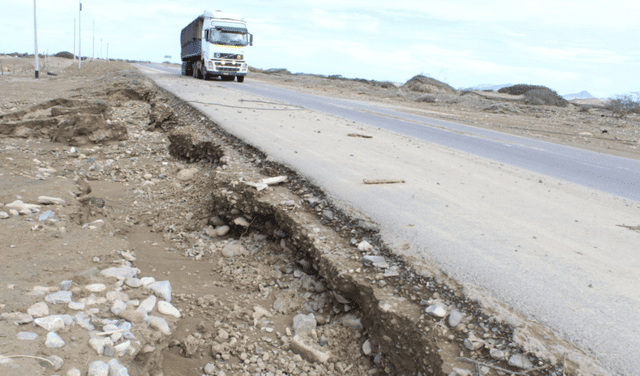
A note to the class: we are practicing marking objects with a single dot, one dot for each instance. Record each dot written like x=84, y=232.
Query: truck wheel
x=240, y=78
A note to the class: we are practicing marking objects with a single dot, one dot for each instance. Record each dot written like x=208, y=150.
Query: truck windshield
x=228, y=37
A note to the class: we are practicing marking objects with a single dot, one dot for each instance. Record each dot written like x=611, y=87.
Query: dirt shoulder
x=140, y=238
x=585, y=126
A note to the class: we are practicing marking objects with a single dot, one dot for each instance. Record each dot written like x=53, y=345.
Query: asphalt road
x=534, y=225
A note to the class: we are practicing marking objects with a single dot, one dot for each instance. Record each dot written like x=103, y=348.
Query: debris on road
x=383, y=181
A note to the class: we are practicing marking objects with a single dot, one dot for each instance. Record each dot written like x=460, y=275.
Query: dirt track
x=237, y=312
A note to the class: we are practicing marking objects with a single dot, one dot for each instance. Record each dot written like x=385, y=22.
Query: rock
x=133, y=282
x=259, y=312
x=17, y=317
x=233, y=249
x=210, y=232
x=364, y=246
x=122, y=348
x=473, y=343
x=520, y=361
x=46, y=200
x=76, y=306
x=112, y=296
x=455, y=317
x=162, y=289
x=98, y=344
x=98, y=368
x=210, y=368
x=497, y=354
x=74, y=372
x=146, y=281
x=160, y=324
x=241, y=221
x=377, y=261
x=65, y=285
x=50, y=323
x=222, y=230
x=96, y=287
x=308, y=351
x=350, y=320
x=133, y=315
x=54, y=341
x=127, y=255
x=117, y=369
x=366, y=348
x=46, y=215
x=60, y=297
x=39, y=309
x=57, y=361
x=437, y=310
x=148, y=304
x=304, y=323
x=187, y=174
x=460, y=372
x=118, y=306
x=121, y=272
x=4, y=215
x=168, y=309
x=27, y=336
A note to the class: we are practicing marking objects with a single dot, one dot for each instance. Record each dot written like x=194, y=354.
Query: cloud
x=344, y=21
x=574, y=54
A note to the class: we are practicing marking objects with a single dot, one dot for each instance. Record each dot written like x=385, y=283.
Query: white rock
x=366, y=348
x=187, y=174
x=112, y=296
x=304, y=323
x=308, y=351
x=133, y=282
x=118, y=306
x=57, y=362
x=76, y=306
x=46, y=200
x=167, y=308
x=233, y=249
x=74, y=372
x=98, y=368
x=121, y=272
x=162, y=289
x=122, y=348
x=210, y=368
x=146, y=281
x=27, y=336
x=241, y=221
x=160, y=324
x=117, y=369
x=96, y=287
x=222, y=230
x=455, y=317
x=39, y=309
x=98, y=344
x=60, y=297
x=4, y=215
x=53, y=341
x=148, y=304
x=364, y=246
x=520, y=361
x=437, y=310
x=50, y=323
x=14, y=212
x=17, y=317
x=128, y=256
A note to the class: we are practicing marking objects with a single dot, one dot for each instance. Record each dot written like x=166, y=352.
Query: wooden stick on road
x=383, y=181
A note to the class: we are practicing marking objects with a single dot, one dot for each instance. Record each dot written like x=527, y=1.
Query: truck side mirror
x=250, y=39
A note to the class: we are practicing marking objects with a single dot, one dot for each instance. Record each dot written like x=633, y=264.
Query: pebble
x=241, y=221
x=121, y=272
x=222, y=230
x=233, y=249
x=54, y=341
x=187, y=174
x=309, y=352
x=74, y=372
x=57, y=361
x=65, y=285
x=96, y=287
x=123, y=347
x=98, y=344
x=117, y=369
x=455, y=317
x=210, y=368
x=520, y=361
x=118, y=306
x=46, y=200
x=4, y=215
x=146, y=281
x=377, y=261
x=98, y=368
x=162, y=289
x=148, y=304
x=304, y=323
x=133, y=282
x=50, y=323
x=39, y=309
x=60, y=297
x=160, y=324
x=350, y=320
x=112, y=296
x=437, y=310
x=366, y=348
x=77, y=306
x=17, y=317
x=364, y=246
x=27, y=336
x=167, y=308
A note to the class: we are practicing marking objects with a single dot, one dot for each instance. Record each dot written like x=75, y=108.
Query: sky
x=568, y=46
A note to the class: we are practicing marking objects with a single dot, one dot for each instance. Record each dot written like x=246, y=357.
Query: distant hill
x=581, y=95
x=485, y=87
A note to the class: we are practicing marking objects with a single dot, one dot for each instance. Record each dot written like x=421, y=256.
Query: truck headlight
x=217, y=55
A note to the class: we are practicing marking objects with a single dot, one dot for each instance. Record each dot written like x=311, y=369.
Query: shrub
x=64, y=54
x=519, y=89
x=544, y=96
x=624, y=104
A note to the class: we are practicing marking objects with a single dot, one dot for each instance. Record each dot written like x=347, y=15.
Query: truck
x=213, y=45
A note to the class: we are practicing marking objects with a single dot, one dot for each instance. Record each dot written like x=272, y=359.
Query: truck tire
x=240, y=78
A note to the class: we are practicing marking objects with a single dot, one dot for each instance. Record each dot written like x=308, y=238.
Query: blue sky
x=568, y=46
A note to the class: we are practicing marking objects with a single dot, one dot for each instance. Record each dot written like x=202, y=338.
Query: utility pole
x=74, y=40
x=107, y=51
x=93, y=45
x=100, y=48
x=35, y=34
x=79, y=37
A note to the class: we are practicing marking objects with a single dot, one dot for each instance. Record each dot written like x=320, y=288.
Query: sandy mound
x=428, y=85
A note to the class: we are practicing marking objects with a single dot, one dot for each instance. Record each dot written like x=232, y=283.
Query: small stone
x=54, y=341
x=223, y=334
x=520, y=361
x=148, y=304
x=96, y=287
x=210, y=368
x=112, y=296
x=117, y=369
x=364, y=246
x=437, y=310
x=60, y=297
x=308, y=351
x=366, y=348
x=98, y=344
x=222, y=230
x=98, y=368
x=304, y=323
x=122, y=348
x=46, y=200
x=167, y=308
x=74, y=372
x=187, y=174
x=39, y=309
x=128, y=256
x=455, y=317
x=351, y=321
x=162, y=289
x=377, y=261
x=233, y=249
x=133, y=315
x=146, y=281
x=108, y=351
x=118, y=306
x=133, y=282
x=17, y=317
x=57, y=361
x=65, y=285
x=120, y=272
x=27, y=336
x=4, y=215
x=50, y=323
x=76, y=306
x=497, y=354
x=473, y=343
x=160, y=324
x=241, y=221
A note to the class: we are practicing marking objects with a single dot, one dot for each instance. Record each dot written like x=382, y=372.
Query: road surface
x=535, y=225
